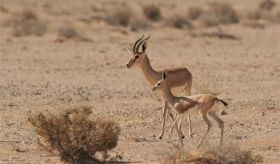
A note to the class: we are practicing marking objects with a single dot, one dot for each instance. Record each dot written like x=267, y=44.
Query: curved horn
x=140, y=43
x=134, y=45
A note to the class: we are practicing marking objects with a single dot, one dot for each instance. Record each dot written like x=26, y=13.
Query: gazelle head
x=138, y=55
x=162, y=82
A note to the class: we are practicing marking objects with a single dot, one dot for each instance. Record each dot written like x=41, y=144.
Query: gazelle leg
x=171, y=128
x=208, y=127
x=180, y=128
x=190, y=127
x=164, y=110
x=175, y=124
x=188, y=88
x=170, y=113
x=221, y=125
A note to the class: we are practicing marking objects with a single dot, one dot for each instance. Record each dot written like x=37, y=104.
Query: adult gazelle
x=178, y=77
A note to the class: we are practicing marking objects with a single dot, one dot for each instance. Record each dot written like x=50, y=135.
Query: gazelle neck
x=171, y=99
x=151, y=75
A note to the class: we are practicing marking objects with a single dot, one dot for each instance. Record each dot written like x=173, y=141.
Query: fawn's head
x=162, y=82
x=138, y=55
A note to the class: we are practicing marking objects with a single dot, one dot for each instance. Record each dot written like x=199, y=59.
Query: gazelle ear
x=164, y=74
x=144, y=46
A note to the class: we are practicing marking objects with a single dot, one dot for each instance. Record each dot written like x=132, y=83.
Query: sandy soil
x=37, y=73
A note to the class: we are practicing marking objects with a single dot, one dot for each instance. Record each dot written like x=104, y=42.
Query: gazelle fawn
x=178, y=77
x=201, y=103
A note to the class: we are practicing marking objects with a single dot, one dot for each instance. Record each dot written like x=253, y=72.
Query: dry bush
x=267, y=4
x=179, y=22
x=194, y=12
x=3, y=9
x=253, y=24
x=152, y=12
x=74, y=135
x=224, y=12
x=258, y=16
x=265, y=13
x=207, y=20
x=69, y=32
x=138, y=23
x=227, y=154
x=119, y=16
x=27, y=23
x=251, y=15
x=214, y=34
x=213, y=14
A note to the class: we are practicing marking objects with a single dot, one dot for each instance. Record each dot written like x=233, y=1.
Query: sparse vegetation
x=69, y=32
x=212, y=15
x=179, y=22
x=259, y=17
x=228, y=154
x=138, y=23
x=253, y=24
x=194, y=12
x=214, y=34
x=3, y=9
x=74, y=135
x=27, y=23
x=207, y=21
x=267, y=4
x=119, y=16
x=152, y=12
x=224, y=12
x=252, y=15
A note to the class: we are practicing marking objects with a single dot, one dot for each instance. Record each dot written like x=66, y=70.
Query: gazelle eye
x=137, y=56
x=158, y=83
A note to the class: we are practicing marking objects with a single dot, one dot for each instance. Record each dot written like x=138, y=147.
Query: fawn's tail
x=222, y=101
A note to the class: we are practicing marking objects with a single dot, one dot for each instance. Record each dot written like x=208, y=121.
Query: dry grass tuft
x=119, y=16
x=194, y=12
x=257, y=18
x=3, y=9
x=179, y=22
x=228, y=154
x=206, y=20
x=252, y=15
x=267, y=4
x=152, y=12
x=139, y=23
x=224, y=12
x=74, y=135
x=214, y=34
x=69, y=32
x=213, y=14
x=27, y=23
x=253, y=24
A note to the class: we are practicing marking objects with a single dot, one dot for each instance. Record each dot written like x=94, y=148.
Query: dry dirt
x=39, y=73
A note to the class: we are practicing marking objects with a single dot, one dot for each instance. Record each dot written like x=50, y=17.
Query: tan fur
x=200, y=103
x=178, y=77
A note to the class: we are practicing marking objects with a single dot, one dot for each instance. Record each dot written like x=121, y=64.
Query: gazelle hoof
x=183, y=137
x=159, y=137
x=224, y=113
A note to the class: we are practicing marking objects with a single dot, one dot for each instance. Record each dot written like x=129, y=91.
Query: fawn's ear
x=164, y=74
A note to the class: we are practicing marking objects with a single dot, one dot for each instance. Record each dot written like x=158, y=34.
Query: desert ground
x=50, y=72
